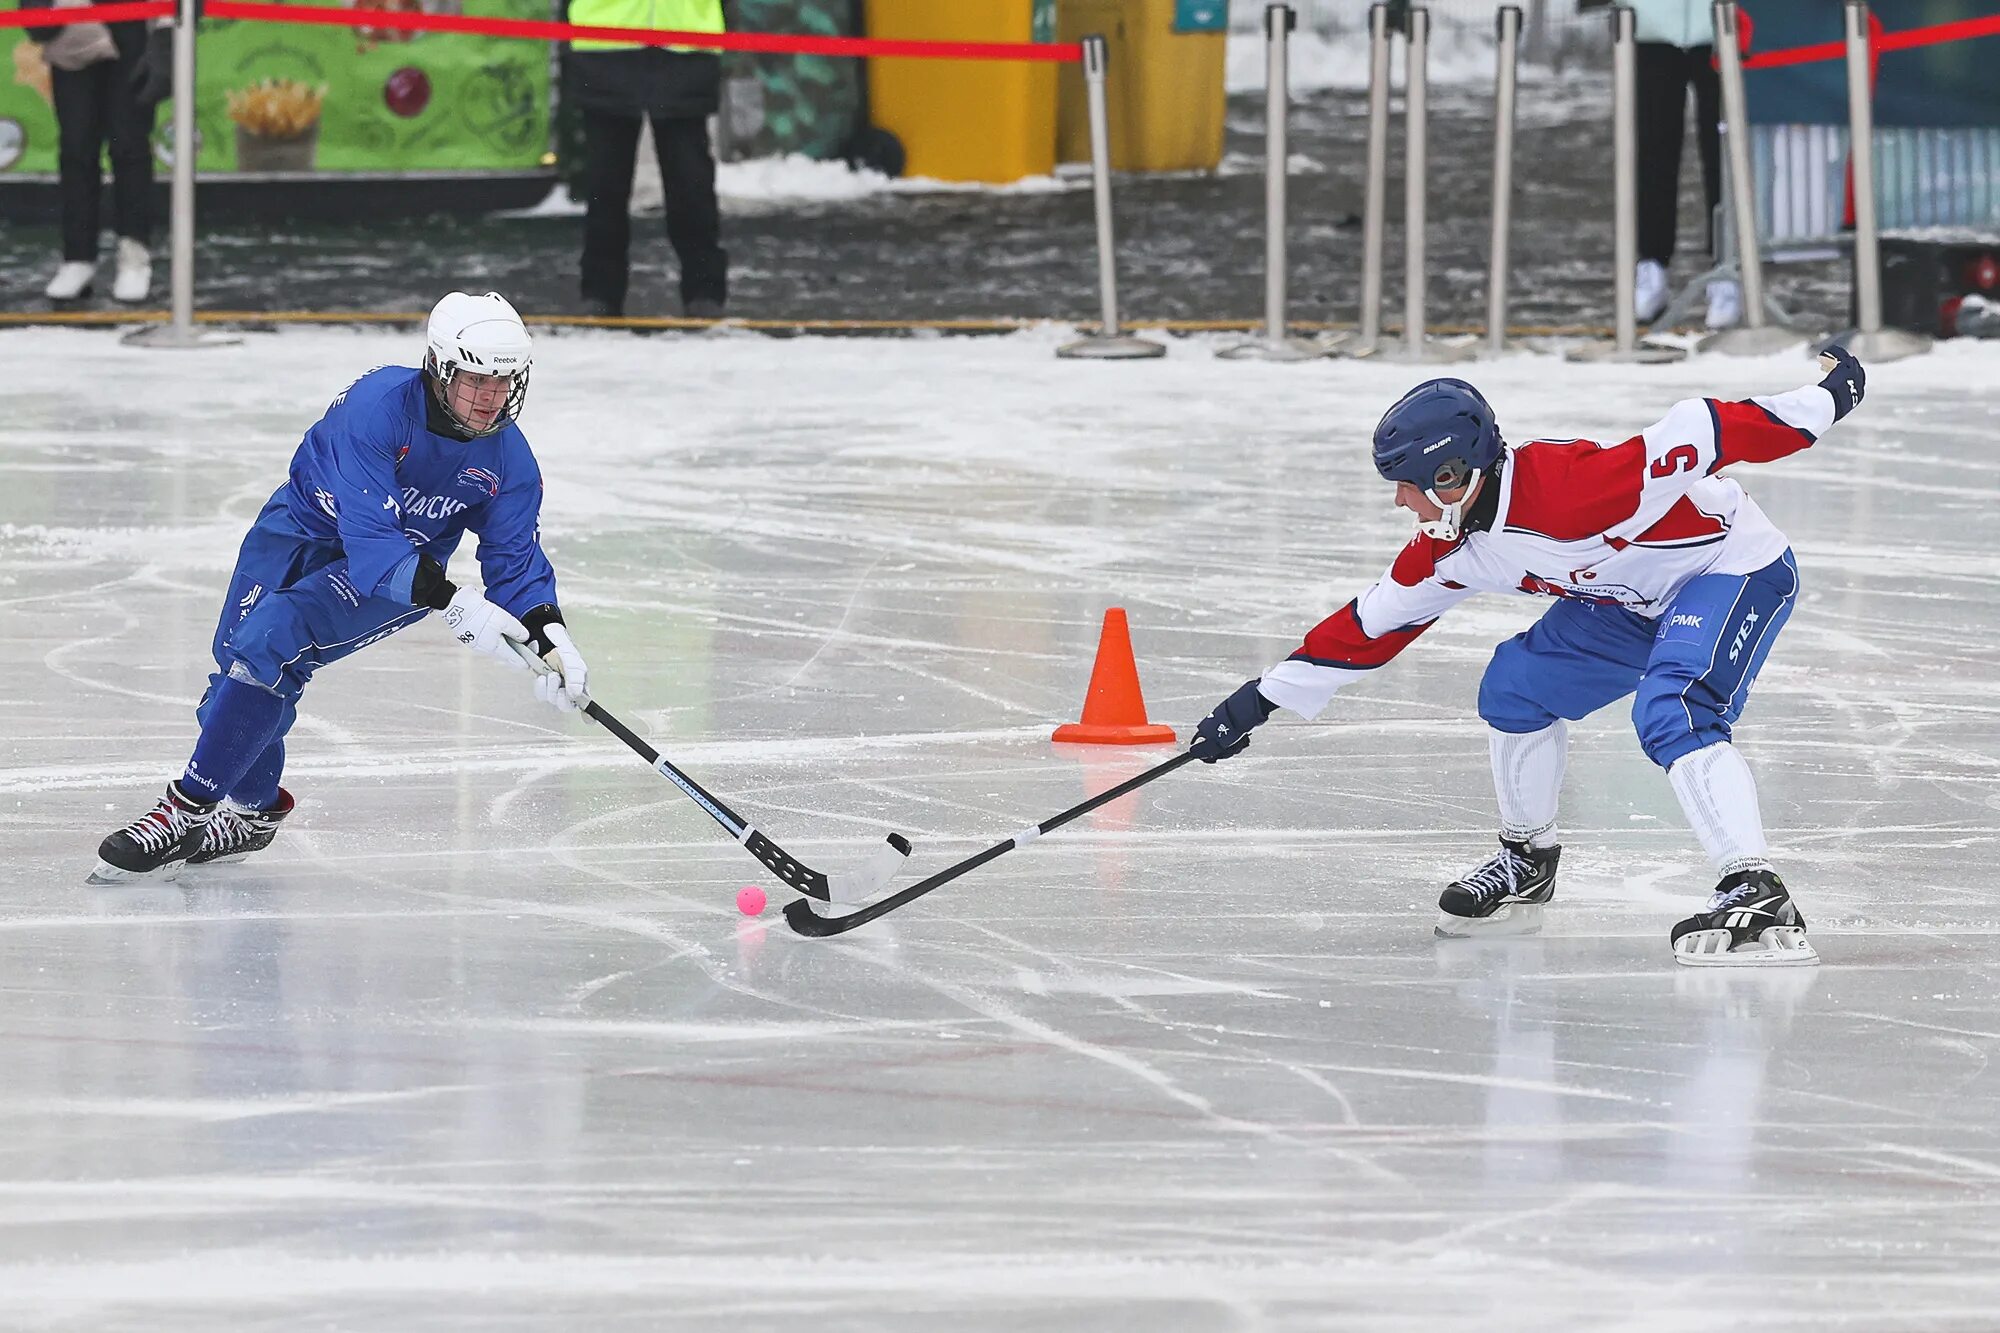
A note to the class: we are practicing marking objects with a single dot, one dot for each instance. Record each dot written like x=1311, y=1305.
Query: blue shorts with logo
x=290, y=611
x=1691, y=669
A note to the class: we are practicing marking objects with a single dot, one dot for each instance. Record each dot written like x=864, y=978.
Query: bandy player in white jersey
x=1669, y=583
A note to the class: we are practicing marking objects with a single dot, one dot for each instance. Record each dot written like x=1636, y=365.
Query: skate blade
x=106, y=873
x=1508, y=919
x=1778, y=946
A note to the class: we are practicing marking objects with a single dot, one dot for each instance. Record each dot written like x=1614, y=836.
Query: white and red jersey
x=1628, y=524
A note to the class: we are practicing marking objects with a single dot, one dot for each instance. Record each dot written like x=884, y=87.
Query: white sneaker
x=71, y=281
x=1725, y=303
x=1650, y=298
x=135, y=271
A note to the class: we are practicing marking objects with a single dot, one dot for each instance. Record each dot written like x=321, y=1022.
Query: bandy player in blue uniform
x=352, y=548
x=1669, y=583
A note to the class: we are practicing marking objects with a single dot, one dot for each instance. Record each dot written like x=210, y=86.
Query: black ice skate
x=1504, y=896
x=235, y=831
x=1750, y=921
x=156, y=844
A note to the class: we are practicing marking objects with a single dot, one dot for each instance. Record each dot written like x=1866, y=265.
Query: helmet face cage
x=444, y=372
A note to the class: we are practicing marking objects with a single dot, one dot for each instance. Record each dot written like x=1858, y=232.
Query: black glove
x=1845, y=380
x=1226, y=730
x=153, y=76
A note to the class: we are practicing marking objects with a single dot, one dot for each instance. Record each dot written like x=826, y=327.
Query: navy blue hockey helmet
x=1437, y=436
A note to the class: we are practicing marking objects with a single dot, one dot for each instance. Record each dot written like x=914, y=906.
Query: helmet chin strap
x=1445, y=527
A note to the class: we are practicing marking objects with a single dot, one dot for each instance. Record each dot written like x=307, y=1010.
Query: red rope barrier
x=1961, y=30
x=542, y=30
x=57, y=18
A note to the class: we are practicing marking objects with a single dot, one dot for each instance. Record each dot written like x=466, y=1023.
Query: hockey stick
x=801, y=917
x=874, y=875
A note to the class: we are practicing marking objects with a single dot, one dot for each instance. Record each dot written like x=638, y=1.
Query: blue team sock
x=258, y=788
x=236, y=728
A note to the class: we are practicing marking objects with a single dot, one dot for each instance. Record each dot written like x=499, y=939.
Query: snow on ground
x=481, y=1042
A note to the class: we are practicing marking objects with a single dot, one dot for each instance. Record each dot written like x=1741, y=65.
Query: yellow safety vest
x=661, y=15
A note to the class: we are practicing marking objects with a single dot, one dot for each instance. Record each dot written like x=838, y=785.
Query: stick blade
x=874, y=874
x=801, y=917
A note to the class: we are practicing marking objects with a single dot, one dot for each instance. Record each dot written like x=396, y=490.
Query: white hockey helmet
x=484, y=335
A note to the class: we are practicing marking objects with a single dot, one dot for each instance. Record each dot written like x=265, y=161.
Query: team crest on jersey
x=1604, y=594
x=480, y=479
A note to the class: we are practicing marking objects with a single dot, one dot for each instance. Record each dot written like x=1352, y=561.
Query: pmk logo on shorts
x=1684, y=619
x=480, y=479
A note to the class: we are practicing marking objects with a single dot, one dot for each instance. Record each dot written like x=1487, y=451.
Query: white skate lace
x=1499, y=875
x=159, y=828
x=1739, y=895
x=226, y=829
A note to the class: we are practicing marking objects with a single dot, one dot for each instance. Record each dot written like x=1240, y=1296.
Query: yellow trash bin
x=966, y=120
x=1163, y=83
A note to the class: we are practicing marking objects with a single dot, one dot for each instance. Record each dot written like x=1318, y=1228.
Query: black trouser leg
x=1662, y=97
x=610, y=149
x=79, y=97
x=694, y=219
x=1708, y=130
x=128, y=124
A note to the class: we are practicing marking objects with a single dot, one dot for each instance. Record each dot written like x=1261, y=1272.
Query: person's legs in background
x=694, y=218
x=611, y=149
x=1725, y=295
x=1661, y=87
x=79, y=97
x=128, y=124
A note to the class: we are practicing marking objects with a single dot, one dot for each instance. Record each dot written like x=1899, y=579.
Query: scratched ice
x=482, y=1043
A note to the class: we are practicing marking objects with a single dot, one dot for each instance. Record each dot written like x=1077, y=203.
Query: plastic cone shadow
x=1114, y=711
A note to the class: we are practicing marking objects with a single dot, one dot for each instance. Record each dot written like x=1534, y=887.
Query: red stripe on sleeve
x=1419, y=560
x=1340, y=641
x=1747, y=433
x=1575, y=491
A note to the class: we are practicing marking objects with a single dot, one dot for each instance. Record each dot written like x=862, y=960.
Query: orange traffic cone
x=1114, y=712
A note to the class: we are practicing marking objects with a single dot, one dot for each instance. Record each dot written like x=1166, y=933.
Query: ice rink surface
x=482, y=1042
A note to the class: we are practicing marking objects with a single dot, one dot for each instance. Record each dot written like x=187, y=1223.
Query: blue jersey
x=373, y=477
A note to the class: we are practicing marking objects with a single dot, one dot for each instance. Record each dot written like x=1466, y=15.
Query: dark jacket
x=644, y=81
x=129, y=38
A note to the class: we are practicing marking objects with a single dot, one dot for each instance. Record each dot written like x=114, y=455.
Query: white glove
x=564, y=684
x=484, y=627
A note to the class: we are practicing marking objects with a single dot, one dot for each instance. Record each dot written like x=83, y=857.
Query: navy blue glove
x=1226, y=730
x=1845, y=380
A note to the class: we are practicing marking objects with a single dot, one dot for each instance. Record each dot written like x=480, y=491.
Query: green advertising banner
x=280, y=97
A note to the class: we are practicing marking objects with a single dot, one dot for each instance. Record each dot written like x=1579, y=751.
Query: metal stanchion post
x=1625, y=345
x=1509, y=47
x=181, y=332
x=1756, y=337
x=1416, y=176
x=1870, y=341
x=1375, y=207
x=1110, y=342
x=1276, y=344
x=1416, y=344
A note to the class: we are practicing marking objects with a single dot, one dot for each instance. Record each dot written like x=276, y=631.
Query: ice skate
x=1503, y=896
x=236, y=831
x=156, y=844
x=1750, y=921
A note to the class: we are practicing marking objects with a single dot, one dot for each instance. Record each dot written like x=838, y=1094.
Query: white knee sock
x=1720, y=799
x=1528, y=778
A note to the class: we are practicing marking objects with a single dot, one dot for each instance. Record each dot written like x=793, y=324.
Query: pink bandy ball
x=750, y=900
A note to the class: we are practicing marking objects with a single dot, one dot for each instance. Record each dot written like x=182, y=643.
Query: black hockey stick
x=871, y=878
x=801, y=917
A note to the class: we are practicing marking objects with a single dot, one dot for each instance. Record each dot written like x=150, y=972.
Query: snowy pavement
x=481, y=1042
